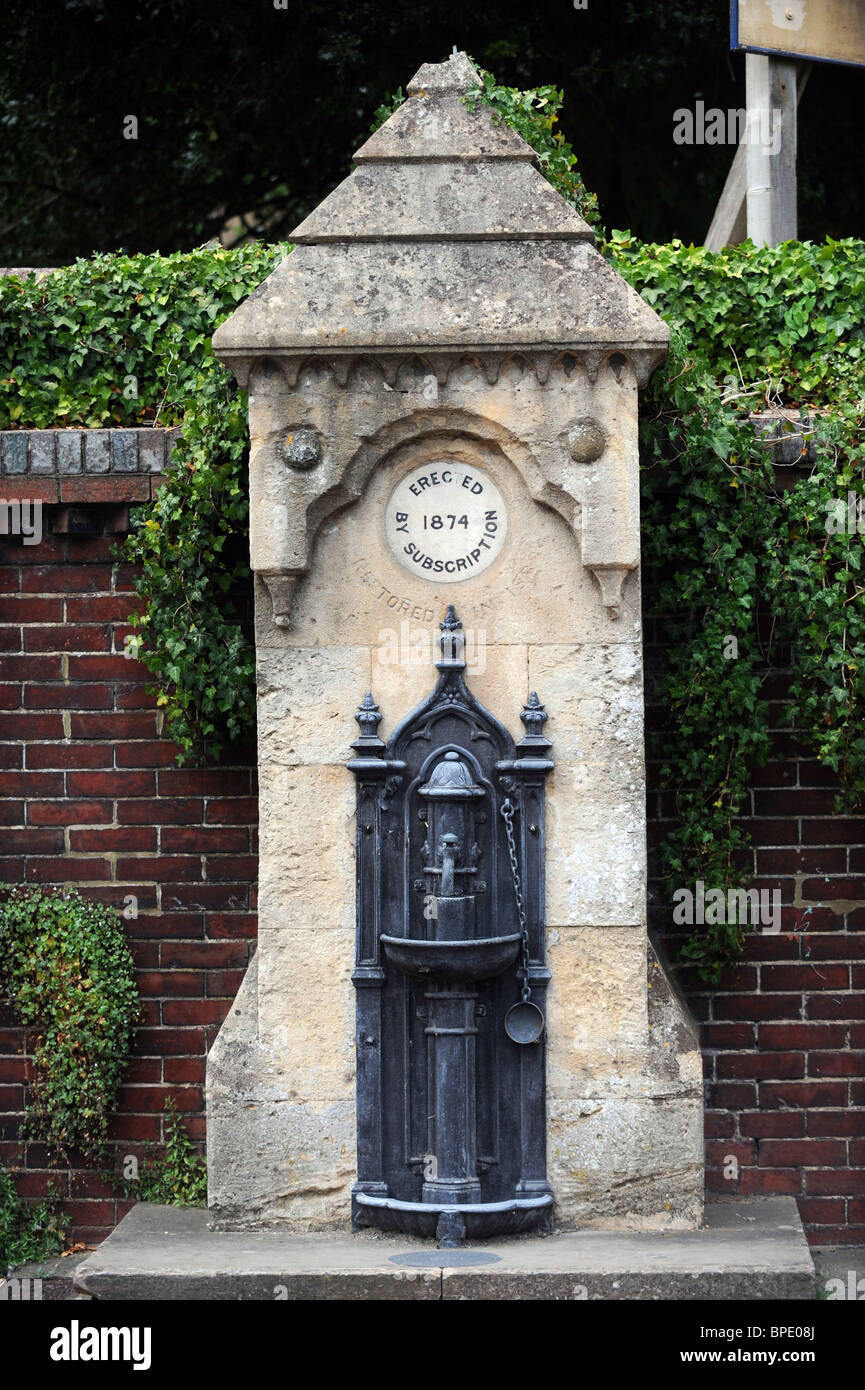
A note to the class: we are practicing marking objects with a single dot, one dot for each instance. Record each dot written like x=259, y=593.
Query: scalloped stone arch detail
x=413, y=372
x=366, y=374
x=467, y=369
x=263, y=373
x=515, y=369
x=314, y=374
x=567, y=368
x=427, y=424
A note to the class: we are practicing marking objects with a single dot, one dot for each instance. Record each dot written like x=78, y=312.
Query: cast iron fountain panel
x=451, y=1110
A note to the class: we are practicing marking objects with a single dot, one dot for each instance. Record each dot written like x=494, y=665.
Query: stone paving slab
x=753, y=1249
x=841, y=1273
x=50, y=1281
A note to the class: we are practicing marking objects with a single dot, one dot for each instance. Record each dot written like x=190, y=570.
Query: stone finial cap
x=458, y=74
x=435, y=123
x=440, y=126
x=445, y=236
x=438, y=171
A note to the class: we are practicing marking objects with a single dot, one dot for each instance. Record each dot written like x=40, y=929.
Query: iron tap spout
x=448, y=849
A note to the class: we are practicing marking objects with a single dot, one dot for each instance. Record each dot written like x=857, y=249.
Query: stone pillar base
x=625, y=1149
x=266, y=1152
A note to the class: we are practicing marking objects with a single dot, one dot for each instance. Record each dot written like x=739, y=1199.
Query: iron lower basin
x=479, y=1220
x=456, y=961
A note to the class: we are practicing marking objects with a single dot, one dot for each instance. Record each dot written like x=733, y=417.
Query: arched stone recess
x=437, y=424
x=314, y=376
x=469, y=368
x=516, y=371
x=415, y=374
x=583, y=497
x=428, y=431
x=565, y=369
x=366, y=374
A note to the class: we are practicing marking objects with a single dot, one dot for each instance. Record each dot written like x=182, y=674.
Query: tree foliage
x=247, y=111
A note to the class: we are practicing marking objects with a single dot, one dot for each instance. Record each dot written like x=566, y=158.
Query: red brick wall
x=91, y=795
x=784, y=1035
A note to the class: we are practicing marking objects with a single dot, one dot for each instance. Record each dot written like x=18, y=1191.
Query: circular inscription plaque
x=446, y=522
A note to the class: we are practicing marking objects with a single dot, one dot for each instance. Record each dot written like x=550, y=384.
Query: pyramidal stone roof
x=445, y=235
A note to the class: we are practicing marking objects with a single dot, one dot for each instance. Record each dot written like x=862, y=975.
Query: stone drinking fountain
x=454, y=1023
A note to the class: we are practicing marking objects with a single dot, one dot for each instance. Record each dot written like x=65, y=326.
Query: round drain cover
x=436, y=1258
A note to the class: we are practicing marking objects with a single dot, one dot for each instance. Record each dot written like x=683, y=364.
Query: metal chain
x=507, y=812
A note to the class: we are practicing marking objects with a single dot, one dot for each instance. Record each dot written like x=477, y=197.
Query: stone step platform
x=748, y=1249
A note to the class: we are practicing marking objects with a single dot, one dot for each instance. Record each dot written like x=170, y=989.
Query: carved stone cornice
x=349, y=369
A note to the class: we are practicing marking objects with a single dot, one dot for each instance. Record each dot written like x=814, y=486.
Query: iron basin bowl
x=452, y=961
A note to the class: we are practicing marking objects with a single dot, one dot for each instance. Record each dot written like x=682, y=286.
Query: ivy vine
x=66, y=967
x=175, y=1175
x=738, y=550
x=28, y=1230
x=117, y=340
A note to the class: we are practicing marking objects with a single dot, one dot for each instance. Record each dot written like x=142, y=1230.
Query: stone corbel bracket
x=280, y=586
x=611, y=579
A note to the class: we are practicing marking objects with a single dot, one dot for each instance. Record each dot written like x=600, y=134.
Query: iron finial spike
x=451, y=621
x=368, y=716
x=451, y=642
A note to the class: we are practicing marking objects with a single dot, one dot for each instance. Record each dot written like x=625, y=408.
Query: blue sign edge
x=737, y=47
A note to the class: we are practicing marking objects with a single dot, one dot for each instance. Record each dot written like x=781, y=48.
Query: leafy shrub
x=738, y=551
x=125, y=340
x=120, y=340
x=28, y=1230
x=68, y=971
x=176, y=1177
x=533, y=113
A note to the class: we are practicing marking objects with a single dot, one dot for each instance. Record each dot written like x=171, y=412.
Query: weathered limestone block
x=270, y=1162
x=625, y=1088
x=306, y=849
x=597, y=995
x=303, y=693
x=625, y=1164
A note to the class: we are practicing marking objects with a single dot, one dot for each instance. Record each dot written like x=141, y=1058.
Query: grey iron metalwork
x=451, y=1058
x=524, y=1022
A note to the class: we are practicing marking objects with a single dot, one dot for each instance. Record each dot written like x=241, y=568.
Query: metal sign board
x=824, y=31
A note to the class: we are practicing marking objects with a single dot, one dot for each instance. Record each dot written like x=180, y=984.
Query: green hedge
x=729, y=542
x=119, y=340
x=125, y=340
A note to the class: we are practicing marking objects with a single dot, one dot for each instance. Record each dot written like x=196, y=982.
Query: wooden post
x=770, y=88
x=766, y=185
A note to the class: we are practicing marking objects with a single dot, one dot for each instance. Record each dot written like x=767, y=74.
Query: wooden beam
x=770, y=155
x=730, y=224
